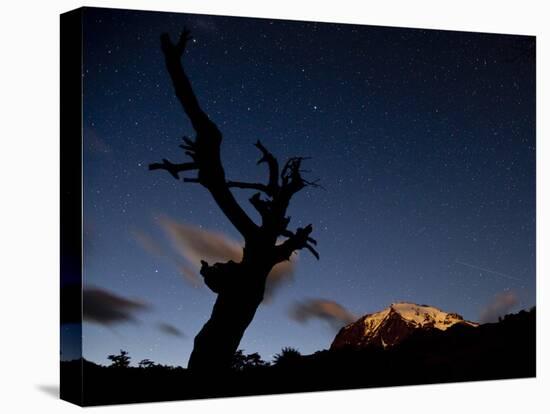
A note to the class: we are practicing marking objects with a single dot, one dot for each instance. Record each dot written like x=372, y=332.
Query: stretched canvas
x=260, y=206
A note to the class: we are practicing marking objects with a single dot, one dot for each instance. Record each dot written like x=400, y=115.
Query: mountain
x=392, y=325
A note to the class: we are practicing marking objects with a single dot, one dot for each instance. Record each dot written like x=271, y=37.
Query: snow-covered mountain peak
x=427, y=316
x=394, y=323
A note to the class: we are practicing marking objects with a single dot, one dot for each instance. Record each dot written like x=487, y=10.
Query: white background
x=29, y=206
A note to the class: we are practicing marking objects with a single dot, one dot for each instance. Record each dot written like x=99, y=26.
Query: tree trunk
x=235, y=307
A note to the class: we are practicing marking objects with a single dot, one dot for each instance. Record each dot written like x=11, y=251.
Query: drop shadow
x=51, y=389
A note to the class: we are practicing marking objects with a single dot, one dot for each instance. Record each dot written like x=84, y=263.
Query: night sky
x=423, y=141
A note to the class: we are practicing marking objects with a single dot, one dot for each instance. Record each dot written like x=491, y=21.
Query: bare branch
x=261, y=205
x=291, y=177
x=173, y=169
x=313, y=251
x=205, y=150
x=234, y=184
x=189, y=145
x=273, y=164
x=296, y=241
x=288, y=233
x=248, y=186
x=185, y=37
x=184, y=91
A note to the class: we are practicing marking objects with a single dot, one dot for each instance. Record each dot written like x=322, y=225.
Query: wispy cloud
x=147, y=243
x=196, y=244
x=327, y=310
x=501, y=304
x=191, y=244
x=169, y=329
x=106, y=308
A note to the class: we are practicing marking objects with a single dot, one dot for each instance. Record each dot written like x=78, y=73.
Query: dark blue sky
x=423, y=140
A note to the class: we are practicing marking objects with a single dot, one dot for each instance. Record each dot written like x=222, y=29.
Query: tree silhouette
x=287, y=356
x=239, y=286
x=121, y=360
x=242, y=361
x=146, y=363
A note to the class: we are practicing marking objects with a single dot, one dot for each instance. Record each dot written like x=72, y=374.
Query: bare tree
x=239, y=286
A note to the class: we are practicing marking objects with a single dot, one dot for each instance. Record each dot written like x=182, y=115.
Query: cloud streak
x=192, y=244
x=502, y=304
x=170, y=330
x=327, y=310
x=147, y=243
x=107, y=308
x=196, y=244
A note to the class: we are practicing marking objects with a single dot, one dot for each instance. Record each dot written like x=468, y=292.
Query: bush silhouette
x=241, y=361
x=121, y=360
x=146, y=363
x=287, y=356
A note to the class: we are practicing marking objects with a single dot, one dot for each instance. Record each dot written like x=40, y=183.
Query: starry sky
x=423, y=141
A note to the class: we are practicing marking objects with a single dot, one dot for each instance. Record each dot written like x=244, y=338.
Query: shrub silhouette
x=146, y=363
x=241, y=361
x=121, y=360
x=287, y=356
